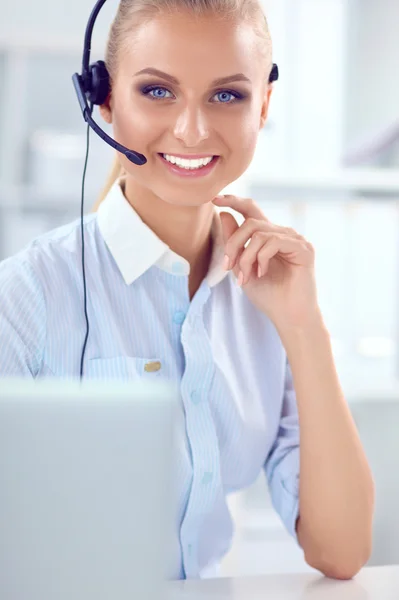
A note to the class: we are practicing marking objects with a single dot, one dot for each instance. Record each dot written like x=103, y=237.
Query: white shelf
x=371, y=181
x=378, y=181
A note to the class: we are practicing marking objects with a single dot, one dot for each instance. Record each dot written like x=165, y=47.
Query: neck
x=185, y=229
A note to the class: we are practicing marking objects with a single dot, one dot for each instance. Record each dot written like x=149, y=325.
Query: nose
x=191, y=127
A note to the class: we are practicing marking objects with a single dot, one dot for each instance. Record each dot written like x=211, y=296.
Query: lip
x=190, y=156
x=190, y=173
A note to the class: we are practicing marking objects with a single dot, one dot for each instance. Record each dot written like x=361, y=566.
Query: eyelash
x=145, y=91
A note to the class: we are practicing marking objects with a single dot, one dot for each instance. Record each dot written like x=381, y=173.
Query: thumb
x=229, y=226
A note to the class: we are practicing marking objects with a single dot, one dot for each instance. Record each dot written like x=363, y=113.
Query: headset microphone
x=135, y=157
x=92, y=87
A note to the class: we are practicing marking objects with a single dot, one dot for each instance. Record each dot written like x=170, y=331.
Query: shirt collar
x=135, y=247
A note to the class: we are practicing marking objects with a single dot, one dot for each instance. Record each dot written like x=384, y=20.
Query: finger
x=263, y=246
x=229, y=227
x=296, y=252
x=236, y=243
x=250, y=208
x=246, y=206
x=249, y=257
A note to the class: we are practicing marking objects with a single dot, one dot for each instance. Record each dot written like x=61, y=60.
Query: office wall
x=372, y=73
x=64, y=18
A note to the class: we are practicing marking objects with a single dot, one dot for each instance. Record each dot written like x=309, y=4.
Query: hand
x=276, y=268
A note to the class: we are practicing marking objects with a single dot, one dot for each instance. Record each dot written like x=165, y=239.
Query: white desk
x=372, y=583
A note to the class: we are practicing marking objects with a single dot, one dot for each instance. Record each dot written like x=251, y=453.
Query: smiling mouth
x=187, y=170
x=187, y=165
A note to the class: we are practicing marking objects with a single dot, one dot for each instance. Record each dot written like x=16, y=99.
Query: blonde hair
x=132, y=14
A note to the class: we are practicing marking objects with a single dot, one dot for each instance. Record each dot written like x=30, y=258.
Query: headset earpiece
x=274, y=74
x=98, y=85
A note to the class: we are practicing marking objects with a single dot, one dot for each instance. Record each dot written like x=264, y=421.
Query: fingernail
x=240, y=279
x=226, y=262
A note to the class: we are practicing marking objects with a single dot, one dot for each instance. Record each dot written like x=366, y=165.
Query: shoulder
x=32, y=281
x=44, y=262
x=49, y=250
x=63, y=240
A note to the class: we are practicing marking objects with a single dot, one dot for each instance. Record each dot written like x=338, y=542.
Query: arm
x=282, y=464
x=336, y=491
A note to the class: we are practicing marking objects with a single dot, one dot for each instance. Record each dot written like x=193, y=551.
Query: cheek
x=243, y=142
x=131, y=123
x=130, y=126
x=251, y=139
x=246, y=129
x=245, y=139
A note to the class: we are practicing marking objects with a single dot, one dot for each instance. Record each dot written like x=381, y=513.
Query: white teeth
x=185, y=163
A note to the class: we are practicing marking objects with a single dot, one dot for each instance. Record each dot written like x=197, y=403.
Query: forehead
x=187, y=47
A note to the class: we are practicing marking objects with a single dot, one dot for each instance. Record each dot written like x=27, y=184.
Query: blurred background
x=327, y=164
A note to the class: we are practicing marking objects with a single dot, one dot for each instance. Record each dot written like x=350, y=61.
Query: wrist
x=312, y=331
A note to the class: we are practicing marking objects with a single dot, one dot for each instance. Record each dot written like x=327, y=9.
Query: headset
x=92, y=87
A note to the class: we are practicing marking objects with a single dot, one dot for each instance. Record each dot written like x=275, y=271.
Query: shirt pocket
x=124, y=368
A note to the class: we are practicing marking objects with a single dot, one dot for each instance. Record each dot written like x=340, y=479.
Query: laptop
x=85, y=489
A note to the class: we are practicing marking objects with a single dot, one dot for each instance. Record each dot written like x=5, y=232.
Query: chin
x=185, y=199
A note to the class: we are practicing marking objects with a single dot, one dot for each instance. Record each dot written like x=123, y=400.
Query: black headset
x=92, y=87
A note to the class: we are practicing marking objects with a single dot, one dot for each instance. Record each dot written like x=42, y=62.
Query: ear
x=106, y=109
x=265, y=106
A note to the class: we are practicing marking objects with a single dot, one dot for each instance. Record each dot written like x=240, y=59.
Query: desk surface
x=371, y=583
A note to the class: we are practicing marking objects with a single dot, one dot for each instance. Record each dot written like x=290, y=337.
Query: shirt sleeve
x=22, y=319
x=282, y=464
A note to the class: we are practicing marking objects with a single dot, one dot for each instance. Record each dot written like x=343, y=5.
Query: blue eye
x=155, y=88
x=225, y=92
x=147, y=91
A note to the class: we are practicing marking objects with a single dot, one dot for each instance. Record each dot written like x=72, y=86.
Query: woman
x=175, y=291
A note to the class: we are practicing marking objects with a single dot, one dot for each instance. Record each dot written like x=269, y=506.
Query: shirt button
x=179, y=317
x=190, y=549
x=151, y=367
x=195, y=397
x=207, y=478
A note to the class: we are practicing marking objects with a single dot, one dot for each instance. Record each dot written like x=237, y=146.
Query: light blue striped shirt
x=238, y=406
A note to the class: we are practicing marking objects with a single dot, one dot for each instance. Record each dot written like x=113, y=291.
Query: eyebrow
x=220, y=81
